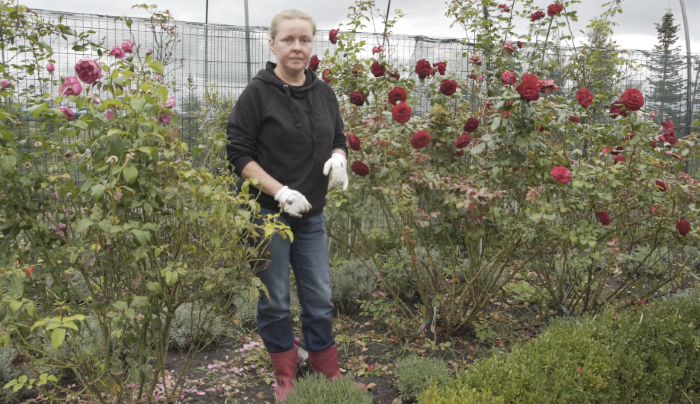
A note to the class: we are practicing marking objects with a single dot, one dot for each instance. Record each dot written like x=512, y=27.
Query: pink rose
x=476, y=59
x=170, y=104
x=67, y=112
x=5, y=83
x=509, y=78
x=164, y=117
x=95, y=99
x=128, y=46
x=508, y=46
x=71, y=86
x=88, y=70
x=377, y=49
x=109, y=114
x=548, y=85
x=561, y=174
x=149, y=51
x=50, y=67
x=117, y=52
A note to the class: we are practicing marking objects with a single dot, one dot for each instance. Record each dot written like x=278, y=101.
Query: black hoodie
x=289, y=131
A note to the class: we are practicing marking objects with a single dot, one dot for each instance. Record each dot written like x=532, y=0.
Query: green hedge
x=648, y=355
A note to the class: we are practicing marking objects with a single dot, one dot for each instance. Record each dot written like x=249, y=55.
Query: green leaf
x=83, y=225
x=163, y=93
x=478, y=149
x=57, y=337
x=137, y=104
x=130, y=173
x=80, y=124
x=116, y=146
x=97, y=191
x=8, y=162
x=157, y=66
x=143, y=237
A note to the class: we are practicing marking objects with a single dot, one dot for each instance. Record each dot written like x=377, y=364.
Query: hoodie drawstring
x=298, y=123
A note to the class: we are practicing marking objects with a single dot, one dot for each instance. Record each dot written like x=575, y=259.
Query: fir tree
x=665, y=67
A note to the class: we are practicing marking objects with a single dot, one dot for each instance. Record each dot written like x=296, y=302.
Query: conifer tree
x=665, y=66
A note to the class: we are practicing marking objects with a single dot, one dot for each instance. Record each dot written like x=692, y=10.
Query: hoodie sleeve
x=339, y=140
x=244, y=122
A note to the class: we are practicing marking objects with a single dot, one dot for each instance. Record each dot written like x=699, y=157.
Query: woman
x=286, y=131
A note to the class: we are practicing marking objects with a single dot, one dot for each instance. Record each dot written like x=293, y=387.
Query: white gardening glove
x=336, y=166
x=292, y=201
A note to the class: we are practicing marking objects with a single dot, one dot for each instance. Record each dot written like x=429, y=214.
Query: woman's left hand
x=336, y=166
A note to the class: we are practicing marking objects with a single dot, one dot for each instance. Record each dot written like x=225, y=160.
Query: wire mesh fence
x=206, y=55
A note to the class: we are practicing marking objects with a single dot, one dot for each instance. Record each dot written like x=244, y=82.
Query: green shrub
x=647, y=355
x=414, y=375
x=315, y=389
x=351, y=281
x=458, y=393
x=194, y=324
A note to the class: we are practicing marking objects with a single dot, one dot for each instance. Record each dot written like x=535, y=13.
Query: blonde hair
x=290, y=14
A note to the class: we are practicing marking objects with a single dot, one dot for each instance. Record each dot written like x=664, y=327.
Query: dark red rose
x=584, y=97
x=662, y=186
x=471, y=125
x=683, y=227
x=377, y=69
x=463, y=141
x=420, y=139
x=537, y=15
x=630, y=136
x=520, y=44
x=360, y=168
x=633, y=99
x=327, y=75
x=441, y=67
x=604, y=218
x=541, y=128
x=354, y=142
x=333, y=36
x=357, y=98
x=448, y=87
x=574, y=119
x=459, y=153
x=423, y=68
x=529, y=90
x=554, y=9
x=669, y=132
x=395, y=75
x=401, y=112
x=397, y=94
x=532, y=78
x=618, y=108
x=504, y=8
x=313, y=63
x=619, y=159
x=653, y=143
x=617, y=150
x=561, y=174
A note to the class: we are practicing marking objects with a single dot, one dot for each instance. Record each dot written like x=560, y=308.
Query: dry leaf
x=371, y=386
x=397, y=400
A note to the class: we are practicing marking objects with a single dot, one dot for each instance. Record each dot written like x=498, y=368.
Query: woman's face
x=293, y=45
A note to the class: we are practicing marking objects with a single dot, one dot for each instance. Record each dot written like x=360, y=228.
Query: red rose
x=537, y=15
x=459, y=153
x=327, y=75
x=683, y=227
x=531, y=77
x=423, y=69
x=397, y=94
x=360, y=168
x=401, y=112
x=618, y=108
x=377, y=69
x=617, y=150
x=357, y=98
x=630, y=136
x=561, y=174
x=395, y=75
x=669, y=132
x=520, y=44
x=554, y=9
x=508, y=46
x=377, y=49
x=574, y=119
x=354, y=142
x=29, y=270
x=471, y=125
x=476, y=59
x=420, y=139
x=633, y=99
x=619, y=159
x=88, y=70
x=584, y=97
x=463, y=141
x=662, y=186
x=448, y=87
x=529, y=90
x=509, y=78
x=548, y=85
x=604, y=218
x=441, y=67
x=333, y=36
x=313, y=63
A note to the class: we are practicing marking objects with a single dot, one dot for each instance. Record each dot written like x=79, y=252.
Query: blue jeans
x=308, y=256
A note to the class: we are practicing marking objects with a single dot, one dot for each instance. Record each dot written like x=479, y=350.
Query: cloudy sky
x=635, y=28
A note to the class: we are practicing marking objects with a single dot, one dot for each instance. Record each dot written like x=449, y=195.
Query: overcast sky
x=635, y=28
